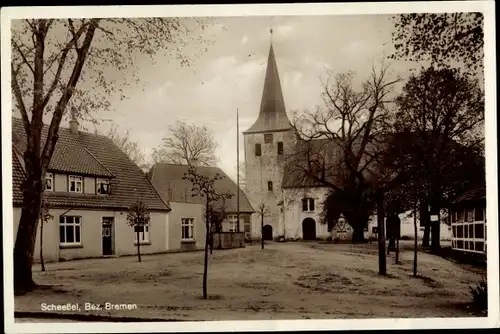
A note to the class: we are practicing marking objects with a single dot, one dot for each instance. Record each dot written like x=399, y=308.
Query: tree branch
x=19, y=99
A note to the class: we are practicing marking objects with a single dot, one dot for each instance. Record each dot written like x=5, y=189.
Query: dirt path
x=292, y=280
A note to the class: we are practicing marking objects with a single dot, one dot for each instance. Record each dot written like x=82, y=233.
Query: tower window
x=258, y=152
x=280, y=148
x=270, y=186
x=268, y=138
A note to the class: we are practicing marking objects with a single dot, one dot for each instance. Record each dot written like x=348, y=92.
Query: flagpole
x=238, y=169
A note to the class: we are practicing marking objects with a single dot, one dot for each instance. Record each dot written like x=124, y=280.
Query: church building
x=267, y=143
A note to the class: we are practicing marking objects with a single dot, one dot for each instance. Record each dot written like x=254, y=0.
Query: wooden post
x=237, y=171
x=41, y=244
x=415, y=245
x=382, y=267
x=397, y=249
x=138, y=245
x=205, y=265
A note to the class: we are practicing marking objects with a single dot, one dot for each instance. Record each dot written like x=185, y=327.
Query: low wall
x=226, y=240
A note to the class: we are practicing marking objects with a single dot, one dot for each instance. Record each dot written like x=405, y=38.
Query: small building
x=468, y=220
x=89, y=186
x=187, y=229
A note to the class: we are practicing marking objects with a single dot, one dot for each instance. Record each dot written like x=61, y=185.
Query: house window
x=49, y=182
x=469, y=215
x=268, y=138
x=308, y=204
x=69, y=230
x=232, y=222
x=478, y=214
x=102, y=186
x=75, y=184
x=269, y=186
x=187, y=227
x=143, y=236
x=280, y=148
x=258, y=151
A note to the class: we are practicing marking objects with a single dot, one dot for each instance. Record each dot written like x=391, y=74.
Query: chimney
x=73, y=124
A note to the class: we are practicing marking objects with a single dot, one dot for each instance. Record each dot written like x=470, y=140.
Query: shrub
x=480, y=294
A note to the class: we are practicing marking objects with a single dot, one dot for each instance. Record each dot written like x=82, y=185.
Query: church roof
x=272, y=115
x=323, y=154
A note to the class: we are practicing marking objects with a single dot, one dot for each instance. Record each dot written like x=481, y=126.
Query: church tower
x=266, y=145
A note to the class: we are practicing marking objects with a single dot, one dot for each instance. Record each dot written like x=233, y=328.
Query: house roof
x=168, y=180
x=91, y=155
x=272, y=115
x=476, y=192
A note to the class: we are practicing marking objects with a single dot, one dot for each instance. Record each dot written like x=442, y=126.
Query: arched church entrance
x=267, y=232
x=308, y=229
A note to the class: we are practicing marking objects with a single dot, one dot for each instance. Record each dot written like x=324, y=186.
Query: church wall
x=263, y=169
x=293, y=216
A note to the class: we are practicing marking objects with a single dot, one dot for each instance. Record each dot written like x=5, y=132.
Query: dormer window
x=75, y=184
x=49, y=182
x=103, y=186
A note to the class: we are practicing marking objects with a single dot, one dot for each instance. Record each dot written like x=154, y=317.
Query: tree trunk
x=392, y=245
x=397, y=251
x=26, y=236
x=424, y=220
x=205, y=265
x=211, y=238
x=357, y=223
x=415, y=245
x=435, y=229
x=138, y=246
x=41, y=245
x=382, y=270
x=358, y=235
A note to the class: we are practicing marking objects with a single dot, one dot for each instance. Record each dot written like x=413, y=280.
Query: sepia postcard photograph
x=314, y=166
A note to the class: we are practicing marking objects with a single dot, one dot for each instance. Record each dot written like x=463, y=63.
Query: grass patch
x=480, y=294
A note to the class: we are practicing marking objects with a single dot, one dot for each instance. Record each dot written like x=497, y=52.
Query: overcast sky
x=230, y=75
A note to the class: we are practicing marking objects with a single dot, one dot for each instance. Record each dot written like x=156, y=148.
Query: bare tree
x=262, y=211
x=126, y=144
x=204, y=186
x=187, y=144
x=49, y=58
x=138, y=216
x=340, y=144
x=217, y=213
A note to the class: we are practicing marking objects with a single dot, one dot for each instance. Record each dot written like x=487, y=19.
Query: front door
x=309, y=229
x=107, y=236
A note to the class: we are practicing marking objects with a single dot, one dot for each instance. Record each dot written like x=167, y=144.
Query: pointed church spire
x=272, y=115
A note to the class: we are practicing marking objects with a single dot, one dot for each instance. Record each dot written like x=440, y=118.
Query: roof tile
x=89, y=154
